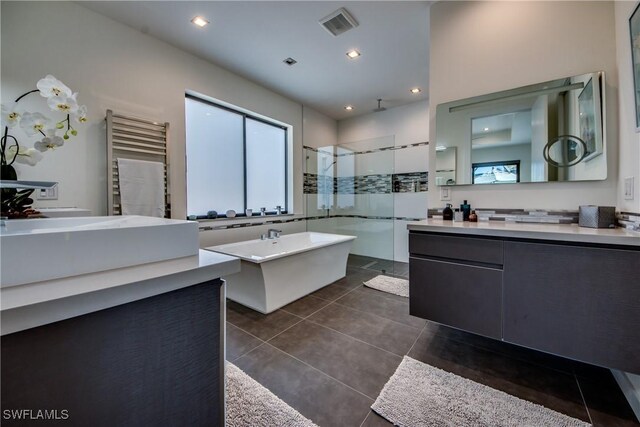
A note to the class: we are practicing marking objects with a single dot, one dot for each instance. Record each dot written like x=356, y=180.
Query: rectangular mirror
x=545, y=132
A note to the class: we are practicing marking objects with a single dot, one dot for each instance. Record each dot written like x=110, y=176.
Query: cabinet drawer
x=486, y=251
x=458, y=295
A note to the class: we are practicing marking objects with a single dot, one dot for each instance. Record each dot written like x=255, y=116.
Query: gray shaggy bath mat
x=388, y=284
x=420, y=395
x=249, y=404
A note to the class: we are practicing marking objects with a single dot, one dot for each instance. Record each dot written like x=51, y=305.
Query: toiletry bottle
x=473, y=217
x=457, y=215
x=447, y=213
x=465, y=208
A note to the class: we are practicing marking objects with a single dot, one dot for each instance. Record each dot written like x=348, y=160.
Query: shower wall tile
x=377, y=163
x=400, y=241
x=410, y=205
x=411, y=159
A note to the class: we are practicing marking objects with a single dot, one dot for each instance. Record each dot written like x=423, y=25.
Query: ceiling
x=252, y=38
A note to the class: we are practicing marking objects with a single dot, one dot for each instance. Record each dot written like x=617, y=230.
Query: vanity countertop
x=559, y=232
x=34, y=304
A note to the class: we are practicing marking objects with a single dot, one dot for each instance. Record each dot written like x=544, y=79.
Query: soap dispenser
x=447, y=213
x=465, y=208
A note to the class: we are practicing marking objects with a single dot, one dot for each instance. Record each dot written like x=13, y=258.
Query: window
x=235, y=161
x=496, y=172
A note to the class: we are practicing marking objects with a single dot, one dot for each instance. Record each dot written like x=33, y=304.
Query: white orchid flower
x=50, y=87
x=80, y=115
x=26, y=156
x=49, y=142
x=64, y=104
x=11, y=115
x=34, y=123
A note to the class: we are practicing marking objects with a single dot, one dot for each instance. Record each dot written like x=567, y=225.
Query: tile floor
x=329, y=354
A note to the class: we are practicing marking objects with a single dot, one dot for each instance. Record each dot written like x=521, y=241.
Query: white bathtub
x=278, y=271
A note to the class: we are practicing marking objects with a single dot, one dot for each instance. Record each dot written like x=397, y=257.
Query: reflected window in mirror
x=496, y=172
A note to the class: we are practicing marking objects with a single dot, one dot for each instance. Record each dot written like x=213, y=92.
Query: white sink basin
x=33, y=250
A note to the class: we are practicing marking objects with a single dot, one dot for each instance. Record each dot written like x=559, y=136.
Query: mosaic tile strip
x=375, y=150
x=410, y=182
x=204, y=227
x=369, y=184
x=366, y=184
x=519, y=215
x=629, y=220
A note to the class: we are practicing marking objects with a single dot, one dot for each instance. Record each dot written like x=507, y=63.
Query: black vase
x=8, y=173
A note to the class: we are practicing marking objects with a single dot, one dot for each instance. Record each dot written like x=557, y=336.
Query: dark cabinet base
x=463, y=296
x=578, y=302
x=156, y=361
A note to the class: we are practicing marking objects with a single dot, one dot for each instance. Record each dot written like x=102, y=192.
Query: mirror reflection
x=547, y=132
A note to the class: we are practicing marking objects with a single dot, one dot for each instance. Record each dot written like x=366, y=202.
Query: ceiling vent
x=338, y=22
x=290, y=61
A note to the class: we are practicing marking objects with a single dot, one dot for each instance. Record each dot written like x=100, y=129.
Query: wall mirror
x=546, y=132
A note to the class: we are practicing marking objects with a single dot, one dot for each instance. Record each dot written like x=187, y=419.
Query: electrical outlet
x=445, y=193
x=50, y=193
x=628, y=188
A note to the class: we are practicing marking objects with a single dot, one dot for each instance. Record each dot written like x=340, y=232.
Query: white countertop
x=559, y=232
x=34, y=304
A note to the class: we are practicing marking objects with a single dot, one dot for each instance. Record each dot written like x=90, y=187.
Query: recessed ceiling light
x=353, y=54
x=486, y=129
x=290, y=61
x=416, y=90
x=348, y=107
x=199, y=21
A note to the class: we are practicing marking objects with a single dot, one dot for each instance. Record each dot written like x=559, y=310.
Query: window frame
x=246, y=116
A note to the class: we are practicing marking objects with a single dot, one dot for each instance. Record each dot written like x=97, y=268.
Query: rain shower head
x=376, y=110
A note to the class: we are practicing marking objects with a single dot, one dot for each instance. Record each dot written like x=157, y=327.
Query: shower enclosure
x=350, y=188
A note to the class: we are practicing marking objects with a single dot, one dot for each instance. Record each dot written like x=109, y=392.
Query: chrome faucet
x=278, y=210
x=273, y=233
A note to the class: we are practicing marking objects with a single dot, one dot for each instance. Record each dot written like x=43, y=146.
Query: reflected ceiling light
x=353, y=54
x=440, y=148
x=348, y=107
x=416, y=90
x=486, y=129
x=199, y=21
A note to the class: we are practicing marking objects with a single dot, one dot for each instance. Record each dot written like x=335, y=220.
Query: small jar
x=473, y=217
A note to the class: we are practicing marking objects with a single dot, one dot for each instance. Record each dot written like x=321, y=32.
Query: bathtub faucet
x=273, y=233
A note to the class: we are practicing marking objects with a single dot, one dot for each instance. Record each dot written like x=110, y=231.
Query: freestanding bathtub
x=275, y=272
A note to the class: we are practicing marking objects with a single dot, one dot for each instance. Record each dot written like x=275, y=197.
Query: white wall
x=408, y=124
x=481, y=47
x=318, y=130
x=629, y=140
x=114, y=66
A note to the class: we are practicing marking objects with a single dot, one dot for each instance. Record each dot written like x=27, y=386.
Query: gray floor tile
x=359, y=365
x=384, y=333
x=370, y=302
x=375, y=420
x=239, y=342
x=305, y=306
x=606, y=402
x=322, y=399
x=263, y=326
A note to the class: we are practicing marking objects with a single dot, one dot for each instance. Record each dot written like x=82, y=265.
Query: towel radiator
x=139, y=139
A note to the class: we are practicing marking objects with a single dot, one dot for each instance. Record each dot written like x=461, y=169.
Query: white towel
x=141, y=187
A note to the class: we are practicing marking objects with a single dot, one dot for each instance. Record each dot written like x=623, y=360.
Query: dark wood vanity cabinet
x=577, y=301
